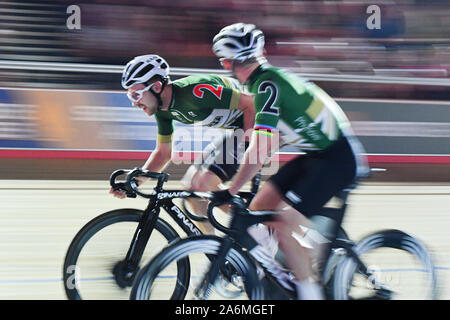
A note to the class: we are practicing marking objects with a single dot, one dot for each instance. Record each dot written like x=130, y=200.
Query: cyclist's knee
x=189, y=176
x=284, y=236
x=205, y=181
x=267, y=198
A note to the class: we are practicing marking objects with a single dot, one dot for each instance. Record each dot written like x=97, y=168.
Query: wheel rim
x=346, y=271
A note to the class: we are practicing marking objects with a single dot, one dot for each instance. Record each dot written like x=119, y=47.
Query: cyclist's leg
x=267, y=235
x=220, y=161
x=296, y=256
x=203, y=180
x=199, y=179
x=308, y=183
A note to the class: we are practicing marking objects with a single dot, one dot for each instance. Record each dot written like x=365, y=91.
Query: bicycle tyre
x=101, y=222
x=205, y=245
x=332, y=261
x=396, y=239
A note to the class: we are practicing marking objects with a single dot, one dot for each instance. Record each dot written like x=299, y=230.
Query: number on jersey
x=269, y=106
x=200, y=88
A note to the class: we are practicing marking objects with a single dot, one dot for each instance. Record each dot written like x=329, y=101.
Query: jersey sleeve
x=165, y=128
x=267, y=102
x=233, y=90
x=233, y=99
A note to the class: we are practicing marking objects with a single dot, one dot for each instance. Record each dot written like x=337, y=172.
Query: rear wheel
x=398, y=266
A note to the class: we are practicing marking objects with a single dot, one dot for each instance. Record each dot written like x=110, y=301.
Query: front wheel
x=157, y=277
x=392, y=265
x=94, y=265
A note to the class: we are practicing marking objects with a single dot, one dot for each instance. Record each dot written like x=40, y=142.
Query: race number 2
x=200, y=88
x=269, y=106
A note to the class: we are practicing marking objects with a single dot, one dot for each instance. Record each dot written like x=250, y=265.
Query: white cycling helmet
x=239, y=42
x=143, y=68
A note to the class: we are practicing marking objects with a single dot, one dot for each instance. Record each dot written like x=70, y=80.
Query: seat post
x=343, y=194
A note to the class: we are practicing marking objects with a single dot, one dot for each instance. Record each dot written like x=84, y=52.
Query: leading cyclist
x=205, y=100
x=290, y=111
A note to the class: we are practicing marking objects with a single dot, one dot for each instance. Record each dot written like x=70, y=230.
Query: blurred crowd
x=310, y=37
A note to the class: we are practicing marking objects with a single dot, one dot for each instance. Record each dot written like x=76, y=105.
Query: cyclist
x=205, y=100
x=291, y=111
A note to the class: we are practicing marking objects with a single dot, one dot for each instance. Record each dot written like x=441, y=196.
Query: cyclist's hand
x=118, y=193
x=141, y=180
x=221, y=197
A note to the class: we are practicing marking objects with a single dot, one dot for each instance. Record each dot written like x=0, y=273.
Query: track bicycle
x=349, y=271
x=105, y=255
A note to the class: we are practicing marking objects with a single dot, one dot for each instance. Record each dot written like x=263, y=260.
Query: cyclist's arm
x=163, y=151
x=264, y=140
x=261, y=146
x=155, y=162
x=247, y=106
x=159, y=158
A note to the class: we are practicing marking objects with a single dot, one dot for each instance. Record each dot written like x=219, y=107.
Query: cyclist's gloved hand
x=222, y=196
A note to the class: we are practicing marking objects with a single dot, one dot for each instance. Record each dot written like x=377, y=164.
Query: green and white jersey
x=304, y=114
x=203, y=100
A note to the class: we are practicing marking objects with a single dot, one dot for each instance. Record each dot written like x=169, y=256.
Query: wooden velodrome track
x=40, y=218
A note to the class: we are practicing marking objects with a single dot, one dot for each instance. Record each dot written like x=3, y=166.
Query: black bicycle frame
x=147, y=223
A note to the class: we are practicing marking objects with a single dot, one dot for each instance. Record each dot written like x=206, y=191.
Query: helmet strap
x=158, y=95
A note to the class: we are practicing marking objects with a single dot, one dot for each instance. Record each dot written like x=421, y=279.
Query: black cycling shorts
x=309, y=181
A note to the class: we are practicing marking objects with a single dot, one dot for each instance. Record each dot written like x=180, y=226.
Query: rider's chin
x=144, y=108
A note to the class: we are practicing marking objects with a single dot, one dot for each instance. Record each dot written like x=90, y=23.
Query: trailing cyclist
x=291, y=111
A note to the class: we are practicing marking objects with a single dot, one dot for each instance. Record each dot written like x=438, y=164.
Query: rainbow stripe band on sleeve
x=264, y=129
x=270, y=134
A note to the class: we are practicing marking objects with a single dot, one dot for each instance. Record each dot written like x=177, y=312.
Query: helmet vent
x=144, y=71
x=231, y=45
x=246, y=39
x=135, y=68
x=130, y=83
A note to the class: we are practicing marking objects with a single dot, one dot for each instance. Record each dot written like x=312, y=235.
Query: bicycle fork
x=126, y=269
x=204, y=289
x=382, y=292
